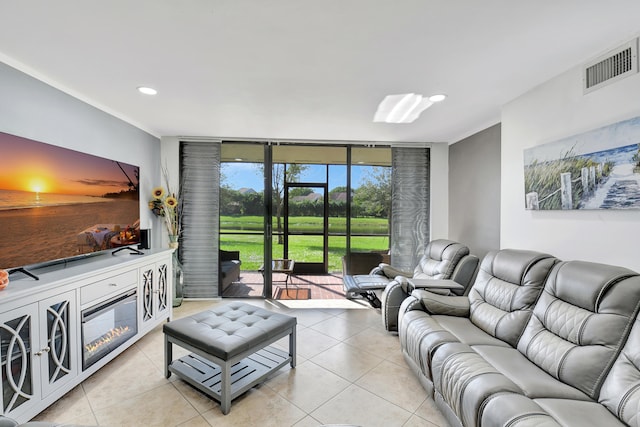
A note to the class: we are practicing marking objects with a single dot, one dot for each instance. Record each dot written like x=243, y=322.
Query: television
x=58, y=204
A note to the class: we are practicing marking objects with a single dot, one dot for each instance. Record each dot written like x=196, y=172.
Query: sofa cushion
x=619, y=398
x=533, y=381
x=440, y=259
x=519, y=411
x=467, y=376
x=506, y=287
x=447, y=329
x=584, y=313
x=463, y=379
x=620, y=392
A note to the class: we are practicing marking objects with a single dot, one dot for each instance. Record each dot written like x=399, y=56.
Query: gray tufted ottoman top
x=229, y=330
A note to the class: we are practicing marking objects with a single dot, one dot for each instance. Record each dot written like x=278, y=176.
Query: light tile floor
x=350, y=371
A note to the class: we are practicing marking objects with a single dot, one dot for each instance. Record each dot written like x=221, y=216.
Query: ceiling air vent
x=612, y=66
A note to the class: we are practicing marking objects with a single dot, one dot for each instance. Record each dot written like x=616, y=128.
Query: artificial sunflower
x=158, y=193
x=171, y=202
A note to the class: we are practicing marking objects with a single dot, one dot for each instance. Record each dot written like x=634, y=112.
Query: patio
x=324, y=286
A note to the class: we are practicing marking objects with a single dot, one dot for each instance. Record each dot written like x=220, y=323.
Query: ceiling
x=298, y=69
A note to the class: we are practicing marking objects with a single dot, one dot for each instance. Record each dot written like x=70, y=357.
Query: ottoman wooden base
x=246, y=362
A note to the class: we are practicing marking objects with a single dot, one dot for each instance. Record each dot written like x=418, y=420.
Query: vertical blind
x=200, y=191
x=410, y=181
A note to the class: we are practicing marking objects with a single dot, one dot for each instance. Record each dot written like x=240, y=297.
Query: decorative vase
x=178, y=280
x=173, y=242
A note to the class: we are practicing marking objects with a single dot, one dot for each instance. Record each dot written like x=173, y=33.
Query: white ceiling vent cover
x=610, y=67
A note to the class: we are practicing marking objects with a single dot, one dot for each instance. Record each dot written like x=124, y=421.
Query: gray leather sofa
x=537, y=342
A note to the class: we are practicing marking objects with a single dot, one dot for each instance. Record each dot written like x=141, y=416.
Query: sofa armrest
x=391, y=272
x=442, y=304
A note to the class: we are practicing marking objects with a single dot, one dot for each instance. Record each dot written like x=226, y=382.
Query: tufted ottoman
x=229, y=346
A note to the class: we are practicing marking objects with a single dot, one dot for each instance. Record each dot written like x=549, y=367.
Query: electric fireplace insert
x=108, y=325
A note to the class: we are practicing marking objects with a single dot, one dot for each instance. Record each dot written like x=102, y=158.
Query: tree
x=373, y=197
x=230, y=201
x=300, y=192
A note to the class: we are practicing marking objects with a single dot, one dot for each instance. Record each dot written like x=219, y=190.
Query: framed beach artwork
x=597, y=169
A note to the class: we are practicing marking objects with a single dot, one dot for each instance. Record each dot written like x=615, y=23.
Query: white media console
x=57, y=331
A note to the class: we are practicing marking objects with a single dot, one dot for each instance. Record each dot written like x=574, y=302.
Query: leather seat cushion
x=520, y=411
x=533, y=381
x=467, y=377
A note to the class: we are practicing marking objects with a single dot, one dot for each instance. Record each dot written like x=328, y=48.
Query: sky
x=618, y=134
x=248, y=175
x=33, y=166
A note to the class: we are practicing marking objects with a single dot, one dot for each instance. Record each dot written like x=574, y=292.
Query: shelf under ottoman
x=245, y=374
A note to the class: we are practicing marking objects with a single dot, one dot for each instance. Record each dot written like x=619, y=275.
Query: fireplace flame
x=106, y=339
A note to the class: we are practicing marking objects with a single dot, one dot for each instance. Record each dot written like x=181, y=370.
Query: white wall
x=439, y=191
x=549, y=112
x=32, y=109
x=474, y=191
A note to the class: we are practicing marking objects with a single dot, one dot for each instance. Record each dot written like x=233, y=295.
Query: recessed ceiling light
x=437, y=98
x=147, y=90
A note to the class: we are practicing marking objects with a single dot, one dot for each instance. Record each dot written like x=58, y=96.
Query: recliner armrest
x=442, y=304
x=391, y=272
x=465, y=272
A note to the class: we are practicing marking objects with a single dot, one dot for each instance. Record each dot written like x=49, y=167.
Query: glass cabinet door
x=17, y=338
x=58, y=356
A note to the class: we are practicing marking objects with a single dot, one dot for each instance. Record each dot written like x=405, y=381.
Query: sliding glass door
x=306, y=226
x=292, y=212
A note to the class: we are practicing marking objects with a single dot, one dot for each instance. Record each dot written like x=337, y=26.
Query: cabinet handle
x=44, y=350
x=113, y=284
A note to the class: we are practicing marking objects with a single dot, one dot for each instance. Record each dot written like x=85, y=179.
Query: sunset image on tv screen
x=57, y=203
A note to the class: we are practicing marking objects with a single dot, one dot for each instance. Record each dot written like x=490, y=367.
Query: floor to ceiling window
x=371, y=200
x=322, y=202
x=242, y=219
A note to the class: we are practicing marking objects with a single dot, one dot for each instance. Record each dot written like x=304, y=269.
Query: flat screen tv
x=58, y=204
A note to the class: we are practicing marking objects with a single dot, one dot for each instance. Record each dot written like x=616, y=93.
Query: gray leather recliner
x=442, y=259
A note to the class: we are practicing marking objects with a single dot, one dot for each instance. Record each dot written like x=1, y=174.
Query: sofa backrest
x=580, y=321
x=620, y=392
x=440, y=259
x=507, y=286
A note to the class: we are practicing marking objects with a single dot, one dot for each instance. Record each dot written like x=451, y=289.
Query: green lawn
x=307, y=248
x=307, y=223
